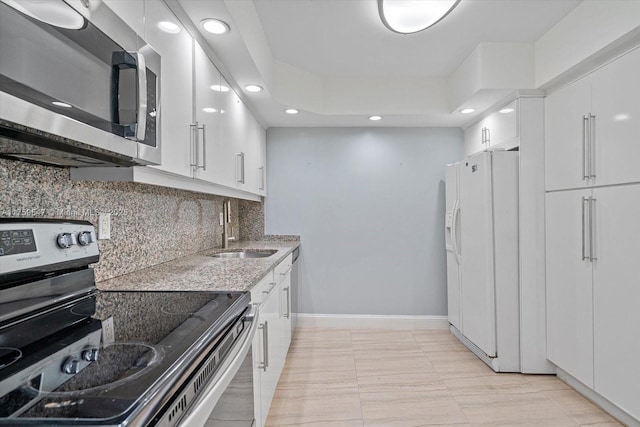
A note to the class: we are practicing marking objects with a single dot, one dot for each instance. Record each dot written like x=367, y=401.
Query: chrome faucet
x=226, y=224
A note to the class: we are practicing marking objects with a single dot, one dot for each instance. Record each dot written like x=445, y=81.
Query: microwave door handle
x=141, y=128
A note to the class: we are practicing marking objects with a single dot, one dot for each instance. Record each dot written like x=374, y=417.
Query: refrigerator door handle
x=592, y=229
x=454, y=231
x=585, y=213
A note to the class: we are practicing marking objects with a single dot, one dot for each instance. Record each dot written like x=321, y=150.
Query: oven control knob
x=71, y=366
x=84, y=238
x=64, y=240
x=90, y=354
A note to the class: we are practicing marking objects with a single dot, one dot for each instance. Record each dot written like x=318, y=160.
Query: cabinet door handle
x=240, y=167
x=265, y=346
x=287, y=315
x=592, y=229
x=204, y=148
x=592, y=146
x=193, y=130
x=585, y=213
x=261, y=169
x=585, y=154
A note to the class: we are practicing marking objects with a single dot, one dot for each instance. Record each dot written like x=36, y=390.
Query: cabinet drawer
x=283, y=268
x=264, y=287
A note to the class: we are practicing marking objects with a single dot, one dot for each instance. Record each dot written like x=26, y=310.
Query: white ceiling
x=334, y=59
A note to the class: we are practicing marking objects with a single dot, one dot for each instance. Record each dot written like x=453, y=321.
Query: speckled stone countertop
x=202, y=272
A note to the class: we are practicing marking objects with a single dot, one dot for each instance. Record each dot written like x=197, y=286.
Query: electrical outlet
x=108, y=333
x=104, y=226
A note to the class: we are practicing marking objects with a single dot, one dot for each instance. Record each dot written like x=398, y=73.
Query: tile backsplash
x=149, y=224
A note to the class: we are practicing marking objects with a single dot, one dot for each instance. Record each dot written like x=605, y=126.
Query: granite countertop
x=202, y=272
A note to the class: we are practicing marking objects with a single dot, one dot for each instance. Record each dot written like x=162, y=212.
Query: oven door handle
x=199, y=412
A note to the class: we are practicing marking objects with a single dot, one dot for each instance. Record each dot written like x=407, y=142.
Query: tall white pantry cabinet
x=592, y=173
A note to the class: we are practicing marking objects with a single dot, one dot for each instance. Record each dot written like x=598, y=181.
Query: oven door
x=230, y=392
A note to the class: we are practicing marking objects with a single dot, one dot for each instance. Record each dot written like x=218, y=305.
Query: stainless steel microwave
x=78, y=87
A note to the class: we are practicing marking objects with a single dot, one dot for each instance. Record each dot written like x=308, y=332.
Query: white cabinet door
x=569, y=286
x=473, y=139
x=500, y=128
x=269, y=333
x=176, y=87
x=616, y=107
x=616, y=296
x=285, y=290
x=233, y=130
x=565, y=135
x=256, y=157
x=208, y=110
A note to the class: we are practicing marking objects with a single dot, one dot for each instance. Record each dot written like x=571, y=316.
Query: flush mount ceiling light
x=253, y=88
x=375, y=118
x=61, y=104
x=220, y=88
x=412, y=16
x=209, y=110
x=467, y=110
x=169, y=27
x=291, y=111
x=506, y=110
x=215, y=26
x=55, y=12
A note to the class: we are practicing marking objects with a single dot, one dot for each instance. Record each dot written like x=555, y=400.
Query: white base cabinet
x=593, y=247
x=271, y=343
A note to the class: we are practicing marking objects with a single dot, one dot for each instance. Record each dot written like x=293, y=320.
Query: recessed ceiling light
x=375, y=118
x=253, y=88
x=220, y=88
x=61, y=104
x=506, y=110
x=291, y=111
x=169, y=27
x=467, y=110
x=215, y=26
x=209, y=110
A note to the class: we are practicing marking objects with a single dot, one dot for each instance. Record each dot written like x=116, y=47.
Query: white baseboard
x=363, y=321
x=600, y=401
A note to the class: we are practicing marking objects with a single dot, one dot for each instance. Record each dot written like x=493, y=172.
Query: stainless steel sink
x=247, y=253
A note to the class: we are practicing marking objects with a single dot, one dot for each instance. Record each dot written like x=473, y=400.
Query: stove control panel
x=33, y=244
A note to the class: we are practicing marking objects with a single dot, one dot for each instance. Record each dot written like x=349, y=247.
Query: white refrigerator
x=481, y=230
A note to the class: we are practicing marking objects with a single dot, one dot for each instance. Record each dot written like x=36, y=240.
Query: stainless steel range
x=72, y=355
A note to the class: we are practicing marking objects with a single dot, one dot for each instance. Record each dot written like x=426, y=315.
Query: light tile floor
x=345, y=378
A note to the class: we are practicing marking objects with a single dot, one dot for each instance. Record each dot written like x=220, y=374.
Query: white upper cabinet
x=176, y=112
x=566, y=123
x=616, y=111
x=256, y=162
x=592, y=128
x=235, y=138
x=496, y=130
x=474, y=141
x=208, y=144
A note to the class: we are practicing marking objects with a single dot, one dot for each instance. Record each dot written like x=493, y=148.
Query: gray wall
x=368, y=204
